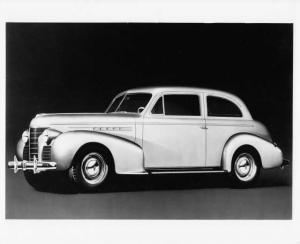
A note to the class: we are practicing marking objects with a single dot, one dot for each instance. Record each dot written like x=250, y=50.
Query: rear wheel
x=91, y=169
x=245, y=168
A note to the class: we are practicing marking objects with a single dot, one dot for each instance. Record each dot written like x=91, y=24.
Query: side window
x=221, y=107
x=158, y=107
x=184, y=105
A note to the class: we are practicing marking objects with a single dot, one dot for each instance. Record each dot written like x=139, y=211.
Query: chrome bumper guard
x=285, y=163
x=34, y=165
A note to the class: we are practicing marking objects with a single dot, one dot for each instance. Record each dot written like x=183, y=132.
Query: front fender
x=128, y=156
x=271, y=155
x=20, y=149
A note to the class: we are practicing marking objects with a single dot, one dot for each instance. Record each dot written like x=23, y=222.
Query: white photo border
x=152, y=231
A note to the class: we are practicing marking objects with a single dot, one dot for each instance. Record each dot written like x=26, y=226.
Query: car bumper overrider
x=285, y=163
x=35, y=165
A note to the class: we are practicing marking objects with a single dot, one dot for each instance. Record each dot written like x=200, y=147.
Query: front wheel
x=245, y=168
x=91, y=169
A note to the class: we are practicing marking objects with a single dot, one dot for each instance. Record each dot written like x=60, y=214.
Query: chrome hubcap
x=94, y=168
x=245, y=167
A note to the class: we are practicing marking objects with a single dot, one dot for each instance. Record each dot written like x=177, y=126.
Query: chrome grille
x=34, y=134
x=26, y=152
x=46, y=155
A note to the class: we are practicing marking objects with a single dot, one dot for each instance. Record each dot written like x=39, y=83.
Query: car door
x=174, y=132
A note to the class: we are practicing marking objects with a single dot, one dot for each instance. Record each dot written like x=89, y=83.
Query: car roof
x=155, y=90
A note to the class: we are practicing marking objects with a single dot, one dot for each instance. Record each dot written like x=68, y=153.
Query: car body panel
x=20, y=149
x=127, y=156
x=270, y=154
x=218, y=132
x=172, y=142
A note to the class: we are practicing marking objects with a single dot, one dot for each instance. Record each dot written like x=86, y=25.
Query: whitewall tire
x=245, y=168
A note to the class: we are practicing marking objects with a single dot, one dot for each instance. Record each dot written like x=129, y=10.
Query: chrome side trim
x=111, y=128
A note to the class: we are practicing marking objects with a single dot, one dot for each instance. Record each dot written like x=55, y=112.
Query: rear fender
x=270, y=154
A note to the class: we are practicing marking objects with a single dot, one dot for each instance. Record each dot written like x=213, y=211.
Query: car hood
x=81, y=119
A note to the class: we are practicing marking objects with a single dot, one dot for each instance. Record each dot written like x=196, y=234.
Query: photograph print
x=149, y=121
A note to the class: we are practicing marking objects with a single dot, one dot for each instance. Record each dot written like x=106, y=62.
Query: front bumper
x=285, y=163
x=35, y=165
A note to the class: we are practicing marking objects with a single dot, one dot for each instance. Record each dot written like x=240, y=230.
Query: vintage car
x=159, y=130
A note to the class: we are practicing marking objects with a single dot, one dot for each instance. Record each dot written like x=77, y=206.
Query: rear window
x=221, y=107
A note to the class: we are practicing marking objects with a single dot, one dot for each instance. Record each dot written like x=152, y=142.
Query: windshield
x=129, y=103
x=115, y=104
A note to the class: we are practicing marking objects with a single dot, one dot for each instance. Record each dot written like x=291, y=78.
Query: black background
x=55, y=67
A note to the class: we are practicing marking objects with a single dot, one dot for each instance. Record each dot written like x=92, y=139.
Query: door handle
x=203, y=127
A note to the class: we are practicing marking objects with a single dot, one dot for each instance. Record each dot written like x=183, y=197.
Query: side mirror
x=140, y=109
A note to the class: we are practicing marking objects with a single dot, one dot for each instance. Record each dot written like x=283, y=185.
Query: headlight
x=25, y=136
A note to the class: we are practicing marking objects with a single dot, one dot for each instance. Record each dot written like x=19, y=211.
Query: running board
x=184, y=170
x=187, y=172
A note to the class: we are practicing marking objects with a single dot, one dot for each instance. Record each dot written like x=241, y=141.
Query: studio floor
x=202, y=196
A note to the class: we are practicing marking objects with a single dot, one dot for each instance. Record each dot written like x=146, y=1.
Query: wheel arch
x=248, y=148
x=268, y=155
x=99, y=148
x=127, y=156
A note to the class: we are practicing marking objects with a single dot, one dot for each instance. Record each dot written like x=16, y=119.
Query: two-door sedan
x=159, y=130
